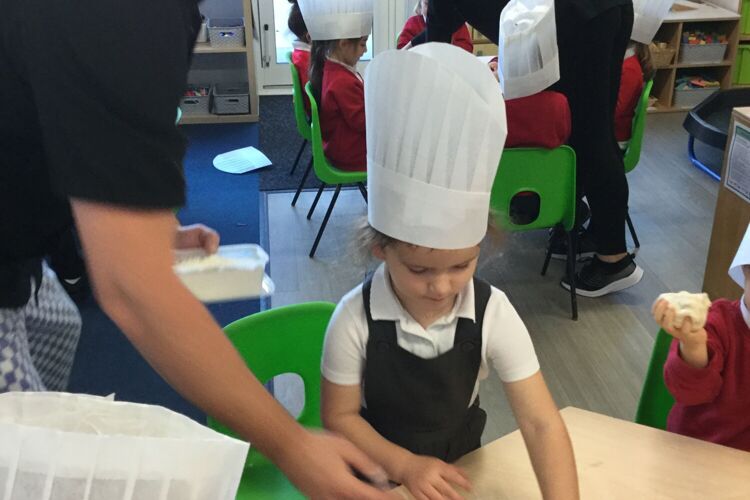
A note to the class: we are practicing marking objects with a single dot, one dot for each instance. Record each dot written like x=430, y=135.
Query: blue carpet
x=106, y=362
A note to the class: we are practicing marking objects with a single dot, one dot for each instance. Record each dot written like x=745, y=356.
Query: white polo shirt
x=506, y=344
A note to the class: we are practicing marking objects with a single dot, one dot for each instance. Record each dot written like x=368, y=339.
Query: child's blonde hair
x=367, y=237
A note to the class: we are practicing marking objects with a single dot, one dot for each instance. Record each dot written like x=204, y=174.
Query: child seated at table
x=541, y=120
x=708, y=368
x=339, y=31
x=637, y=68
x=405, y=352
x=414, y=31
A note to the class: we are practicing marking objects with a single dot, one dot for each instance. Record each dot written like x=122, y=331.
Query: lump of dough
x=688, y=305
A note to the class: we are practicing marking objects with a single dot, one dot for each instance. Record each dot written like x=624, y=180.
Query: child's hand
x=428, y=478
x=664, y=315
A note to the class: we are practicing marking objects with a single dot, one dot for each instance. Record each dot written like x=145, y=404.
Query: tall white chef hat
x=337, y=19
x=436, y=129
x=528, y=55
x=742, y=258
x=649, y=14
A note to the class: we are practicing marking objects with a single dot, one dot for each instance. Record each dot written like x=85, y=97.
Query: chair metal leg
x=325, y=220
x=547, y=258
x=572, y=237
x=317, y=198
x=302, y=182
x=632, y=233
x=363, y=190
x=299, y=155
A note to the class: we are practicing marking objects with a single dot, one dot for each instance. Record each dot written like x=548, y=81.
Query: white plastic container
x=235, y=272
x=57, y=446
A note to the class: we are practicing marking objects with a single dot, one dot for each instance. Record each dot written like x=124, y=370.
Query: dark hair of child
x=320, y=50
x=647, y=63
x=296, y=23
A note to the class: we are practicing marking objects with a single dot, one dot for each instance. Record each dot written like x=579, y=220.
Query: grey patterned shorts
x=38, y=341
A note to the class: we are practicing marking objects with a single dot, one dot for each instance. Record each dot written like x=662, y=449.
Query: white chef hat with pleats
x=337, y=19
x=528, y=58
x=648, y=16
x=436, y=129
x=741, y=258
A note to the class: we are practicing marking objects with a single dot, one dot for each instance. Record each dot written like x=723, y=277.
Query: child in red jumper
x=301, y=53
x=637, y=68
x=340, y=92
x=527, y=129
x=415, y=28
x=708, y=369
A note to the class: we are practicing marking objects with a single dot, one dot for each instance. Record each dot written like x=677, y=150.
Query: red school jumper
x=713, y=403
x=416, y=25
x=540, y=120
x=301, y=61
x=342, y=117
x=631, y=88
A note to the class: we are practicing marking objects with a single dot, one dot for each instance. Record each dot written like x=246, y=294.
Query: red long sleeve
x=416, y=25
x=301, y=60
x=343, y=118
x=631, y=88
x=713, y=403
x=462, y=38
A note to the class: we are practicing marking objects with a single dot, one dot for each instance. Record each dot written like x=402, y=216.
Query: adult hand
x=321, y=467
x=197, y=236
x=428, y=478
x=664, y=314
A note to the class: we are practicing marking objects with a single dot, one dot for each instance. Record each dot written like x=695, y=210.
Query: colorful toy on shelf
x=696, y=82
x=196, y=92
x=698, y=37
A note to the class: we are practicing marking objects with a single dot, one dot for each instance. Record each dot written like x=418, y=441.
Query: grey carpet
x=280, y=141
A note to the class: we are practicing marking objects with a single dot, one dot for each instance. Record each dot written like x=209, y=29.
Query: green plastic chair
x=303, y=123
x=633, y=151
x=551, y=175
x=287, y=339
x=656, y=401
x=327, y=173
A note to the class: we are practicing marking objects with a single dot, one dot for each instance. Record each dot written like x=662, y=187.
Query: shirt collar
x=350, y=68
x=300, y=45
x=384, y=304
x=745, y=312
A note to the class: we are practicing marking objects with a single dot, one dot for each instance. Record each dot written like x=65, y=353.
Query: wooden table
x=730, y=222
x=616, y=460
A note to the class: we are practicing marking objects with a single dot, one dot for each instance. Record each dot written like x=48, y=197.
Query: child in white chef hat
x=406, y=350
x=708, y=368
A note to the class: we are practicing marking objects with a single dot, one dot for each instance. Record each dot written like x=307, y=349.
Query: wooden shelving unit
x=701, y=16
x=205, y=49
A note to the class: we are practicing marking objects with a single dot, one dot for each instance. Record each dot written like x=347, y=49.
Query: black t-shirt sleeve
x=106, y=76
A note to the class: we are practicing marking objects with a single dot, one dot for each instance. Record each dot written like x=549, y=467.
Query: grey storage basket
x=226, y=32
x=231, y=99
x=712, y=53
x=690, y=98
x=196, y=105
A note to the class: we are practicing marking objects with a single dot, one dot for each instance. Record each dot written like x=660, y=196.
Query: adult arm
x=444, y=17
x=129, y=254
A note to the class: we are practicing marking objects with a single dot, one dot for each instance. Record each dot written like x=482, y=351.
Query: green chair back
x=656, y=401
x=326, y=172
x=550, y=173
x=300, y=115
x=633, y=151
x=287, y=339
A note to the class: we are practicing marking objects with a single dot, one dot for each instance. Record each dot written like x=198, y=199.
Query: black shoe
x=597, y=278
x=558, y=242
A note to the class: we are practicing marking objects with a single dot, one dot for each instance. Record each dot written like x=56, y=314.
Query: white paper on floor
x=242, y=160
